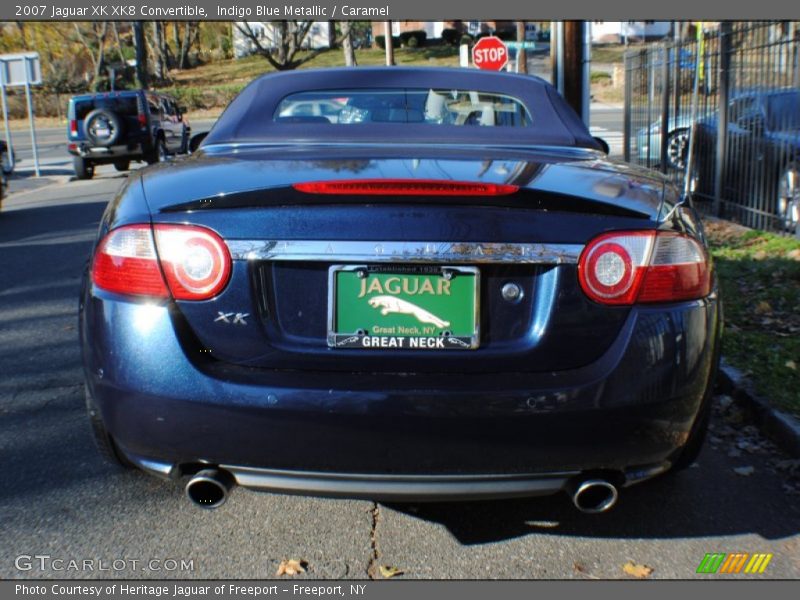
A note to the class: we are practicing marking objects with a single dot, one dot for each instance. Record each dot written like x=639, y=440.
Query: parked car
x=120, y=127
x=763, y=164
x=648, y=142
x=406, y=306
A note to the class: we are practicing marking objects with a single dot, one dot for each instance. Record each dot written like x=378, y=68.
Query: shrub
x=412, y=42
x=600, y=77
x=418, y=34
x=380, y=41
x=466, y=39
x=451, y=36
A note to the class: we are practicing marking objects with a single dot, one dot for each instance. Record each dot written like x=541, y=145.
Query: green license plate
x=403, y=308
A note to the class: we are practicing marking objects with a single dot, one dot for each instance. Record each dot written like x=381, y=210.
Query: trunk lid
x=276, y=311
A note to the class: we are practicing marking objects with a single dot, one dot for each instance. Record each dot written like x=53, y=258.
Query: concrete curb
x=781, y=428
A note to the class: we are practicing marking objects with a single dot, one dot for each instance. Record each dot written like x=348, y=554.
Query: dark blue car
x=443, y=291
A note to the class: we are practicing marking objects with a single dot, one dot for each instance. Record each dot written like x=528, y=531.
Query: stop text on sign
x=490, y=53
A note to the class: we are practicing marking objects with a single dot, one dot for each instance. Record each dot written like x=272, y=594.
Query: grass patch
x=612, y=53
x=760, y=278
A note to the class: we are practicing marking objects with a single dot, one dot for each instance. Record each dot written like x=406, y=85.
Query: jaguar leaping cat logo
x=390, y=304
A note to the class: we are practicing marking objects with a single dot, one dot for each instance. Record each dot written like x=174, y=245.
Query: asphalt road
x=57, y=497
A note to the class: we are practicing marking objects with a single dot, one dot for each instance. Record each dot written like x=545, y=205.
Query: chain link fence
x=743, y=79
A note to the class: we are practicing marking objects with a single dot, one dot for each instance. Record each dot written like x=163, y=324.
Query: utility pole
x=522, y=54
x=572, y=52
x=387, y=36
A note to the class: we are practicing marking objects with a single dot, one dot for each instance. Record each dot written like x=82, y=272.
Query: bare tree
x=92, y=36
x=190, y=31
x=522, y=56
x=347, y=44
x=141, y=53
x=282, y=47
x=159, y=51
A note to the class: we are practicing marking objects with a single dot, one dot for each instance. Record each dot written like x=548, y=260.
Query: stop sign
x=490, y=53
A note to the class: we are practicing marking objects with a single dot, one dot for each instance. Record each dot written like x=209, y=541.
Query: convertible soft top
x=249, y=117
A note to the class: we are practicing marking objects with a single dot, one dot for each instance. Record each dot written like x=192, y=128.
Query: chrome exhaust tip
x=594, y=496
x=209, y=488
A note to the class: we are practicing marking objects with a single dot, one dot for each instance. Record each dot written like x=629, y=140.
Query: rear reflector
x=644, y=266
x=405, y=187
x=194, y=260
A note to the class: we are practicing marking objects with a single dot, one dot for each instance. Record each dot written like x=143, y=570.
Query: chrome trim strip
x=401, y=487
x=404, y=252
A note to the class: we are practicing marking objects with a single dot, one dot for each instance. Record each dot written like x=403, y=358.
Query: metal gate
x=746, y=125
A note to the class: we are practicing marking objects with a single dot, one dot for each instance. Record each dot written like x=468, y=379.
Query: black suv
x=118, y=127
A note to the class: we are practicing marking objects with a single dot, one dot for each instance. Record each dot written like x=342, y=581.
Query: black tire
x=102, y=439
x=99, y=120
x=788, y=197
x=5, y=161
x=677, y=149
x=185, y=137
x=159, y=152
x=122, y=165
x=83, y=168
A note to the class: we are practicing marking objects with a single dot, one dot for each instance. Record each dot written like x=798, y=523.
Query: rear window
x=124, y=106
x=431, y=107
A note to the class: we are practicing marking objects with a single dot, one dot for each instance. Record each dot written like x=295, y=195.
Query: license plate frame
x=440, y=339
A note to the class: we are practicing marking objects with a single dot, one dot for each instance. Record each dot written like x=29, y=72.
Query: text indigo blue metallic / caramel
x=212, y=330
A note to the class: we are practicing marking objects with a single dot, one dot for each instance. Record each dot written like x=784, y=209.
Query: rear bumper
x=100, y=155
x=399, y=435
x=399, y=488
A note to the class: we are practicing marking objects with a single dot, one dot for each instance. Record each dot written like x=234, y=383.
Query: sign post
x=490, y=53
x=21, y=70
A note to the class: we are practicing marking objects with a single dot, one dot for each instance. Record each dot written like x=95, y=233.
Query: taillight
x=73, y=127
x=195, y=262
x=142, y=120
x=644, y=266
x=406, y=187
x=126, y=263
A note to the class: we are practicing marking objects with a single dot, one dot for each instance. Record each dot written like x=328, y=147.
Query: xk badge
x=232, y=318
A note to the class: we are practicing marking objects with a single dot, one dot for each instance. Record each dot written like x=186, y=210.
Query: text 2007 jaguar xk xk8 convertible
x=401, y=284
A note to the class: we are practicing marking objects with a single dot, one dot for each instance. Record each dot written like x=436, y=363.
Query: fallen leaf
x=791, y=365
x=788, y=465
x=291, y=567
x=725, y=402
x=635, y=570
x=763, y=307
x=579, y=568
x=744, y=471
x=389, y=572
